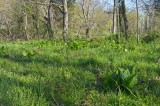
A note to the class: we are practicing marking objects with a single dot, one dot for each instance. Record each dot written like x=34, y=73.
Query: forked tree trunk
x=86, y=6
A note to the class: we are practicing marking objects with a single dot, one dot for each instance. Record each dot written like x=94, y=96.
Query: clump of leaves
x=29, y=53
x=122, y=79
x=4, y=51
x=76, y=45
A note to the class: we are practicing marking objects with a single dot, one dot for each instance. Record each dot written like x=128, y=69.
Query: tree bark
x=26, y=25
x=9, y=29
x=125, y=19
x=114, y=17
x=87, y=15
x=50, y=34
x=137, y=21
x=65, y=20
x=120, y=17
x=87, y=33
x=118, y=24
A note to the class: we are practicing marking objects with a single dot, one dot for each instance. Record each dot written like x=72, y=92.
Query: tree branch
x=56, y=4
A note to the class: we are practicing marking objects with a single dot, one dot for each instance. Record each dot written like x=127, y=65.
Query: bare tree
x=62, y=5
x=88, y=9
x=48, y=19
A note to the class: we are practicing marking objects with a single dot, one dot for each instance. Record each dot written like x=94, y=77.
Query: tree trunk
x=86, y=5
x=125, y=19
x=65, y=20
x=26, y=25
x=37, y=22
x=120, y=18
x=50, y=33
x=9, y=29
x=114, y=17
x=152, y=20
x=87, y=33
x=118, y=24
x=137, y=21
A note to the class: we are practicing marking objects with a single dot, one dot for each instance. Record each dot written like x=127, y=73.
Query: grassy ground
x=42, y=73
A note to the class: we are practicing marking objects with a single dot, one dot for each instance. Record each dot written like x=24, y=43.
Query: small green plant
x=76, y=45
x=29, y=53
x=122, y=79
x=4, y=51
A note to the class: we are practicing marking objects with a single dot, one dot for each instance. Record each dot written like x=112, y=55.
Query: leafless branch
x=55, y=4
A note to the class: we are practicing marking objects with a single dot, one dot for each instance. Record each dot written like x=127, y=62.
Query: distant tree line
x=66, y=19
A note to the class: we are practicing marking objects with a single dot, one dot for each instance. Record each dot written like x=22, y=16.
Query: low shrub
x=76, y=45
x=29, y=53
x=124, y=80
x=4, y=51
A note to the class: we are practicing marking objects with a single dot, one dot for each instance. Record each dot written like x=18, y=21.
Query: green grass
x=60, y=74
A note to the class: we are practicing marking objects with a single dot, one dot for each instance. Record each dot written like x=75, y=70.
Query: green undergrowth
x=54, y=73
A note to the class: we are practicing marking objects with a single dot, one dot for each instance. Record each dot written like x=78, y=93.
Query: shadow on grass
x=45, y=60
x=7, y=92
x=90, y=65
x=85, y=64
x=46, y=88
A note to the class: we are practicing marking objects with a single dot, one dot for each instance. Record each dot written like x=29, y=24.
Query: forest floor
x=45, y=72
